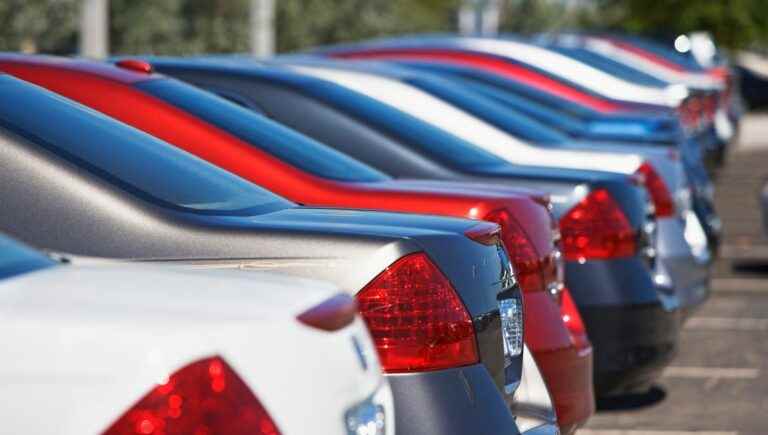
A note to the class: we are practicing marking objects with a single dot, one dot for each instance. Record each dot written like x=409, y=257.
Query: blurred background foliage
x=734, y=23
x=304, y=23
x=195, y=26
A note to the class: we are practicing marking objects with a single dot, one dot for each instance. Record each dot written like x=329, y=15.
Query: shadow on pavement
x=759, y=268
x=632, y=401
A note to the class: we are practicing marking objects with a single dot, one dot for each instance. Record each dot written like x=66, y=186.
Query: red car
x=311, y=174
x=486, y=62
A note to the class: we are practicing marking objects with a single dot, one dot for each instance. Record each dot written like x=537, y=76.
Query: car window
x=125, y=157
x=430, y=140
x=515, y=123
x=280, y=141
x=16, y=259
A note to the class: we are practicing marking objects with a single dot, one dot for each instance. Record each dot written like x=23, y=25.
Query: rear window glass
x=285, y=144
x=515, y=123
x=16, y=259
x=127, y=158
x=415, y=133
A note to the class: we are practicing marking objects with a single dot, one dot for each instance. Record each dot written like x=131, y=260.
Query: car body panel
x=85, y=343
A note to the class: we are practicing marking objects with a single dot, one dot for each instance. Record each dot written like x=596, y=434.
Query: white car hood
x=82, y=344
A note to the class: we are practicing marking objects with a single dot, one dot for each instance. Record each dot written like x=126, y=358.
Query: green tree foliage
x=304, y=23
x=179, y=26
x=38, y=25
x=531, y=16
x=734, y=23
x=208, y=26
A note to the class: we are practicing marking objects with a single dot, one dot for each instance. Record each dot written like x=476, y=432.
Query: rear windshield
x=415, y=133
x=517, y=124
x=125, y=157
x=16, y=259
x=285, y=144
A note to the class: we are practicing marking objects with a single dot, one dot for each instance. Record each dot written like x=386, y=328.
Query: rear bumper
x=564, y=361
x=633, y=344
x=687, y=275
x=633, y=326
x=460, y=401
x=568, y=374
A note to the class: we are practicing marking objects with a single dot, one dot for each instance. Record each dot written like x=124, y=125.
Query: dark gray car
x=75, y=181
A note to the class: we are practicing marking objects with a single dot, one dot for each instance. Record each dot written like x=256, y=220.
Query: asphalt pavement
x=718, y=383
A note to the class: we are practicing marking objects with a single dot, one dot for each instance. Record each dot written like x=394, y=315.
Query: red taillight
x=710, y=107
x=572, y=319
x=204, y=398
x=696, y=107
x=596, y=228
x=689, y=113
x=662, y=200
x=524, y=257
x=332, y=314
x=416, y=318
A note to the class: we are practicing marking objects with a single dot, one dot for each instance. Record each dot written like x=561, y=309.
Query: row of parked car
x=418, y=235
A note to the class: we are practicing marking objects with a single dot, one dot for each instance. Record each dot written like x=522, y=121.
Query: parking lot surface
x=718, y=383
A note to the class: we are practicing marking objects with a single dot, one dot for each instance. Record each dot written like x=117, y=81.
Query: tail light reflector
x=710, y=107
x=416, y=318
x=203, y=398
x=696, y=107
x=689, y=113
x=525, y=259
x=572, y=319
x=596, y=228
x=662, y=200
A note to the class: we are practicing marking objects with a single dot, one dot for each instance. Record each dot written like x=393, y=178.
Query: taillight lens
x=710, y=107
x=596, y=228
x=662, y=200
x=416, y=318
x=204, y=398
x=523, y=254
x=572, y=319
x=689, y=114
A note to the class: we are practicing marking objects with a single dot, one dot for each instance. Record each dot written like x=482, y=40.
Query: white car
x=127, y=349
x=577, y=72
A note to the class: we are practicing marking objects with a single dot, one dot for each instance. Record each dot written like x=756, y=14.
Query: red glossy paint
x=111, y=92
x=493, y=64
